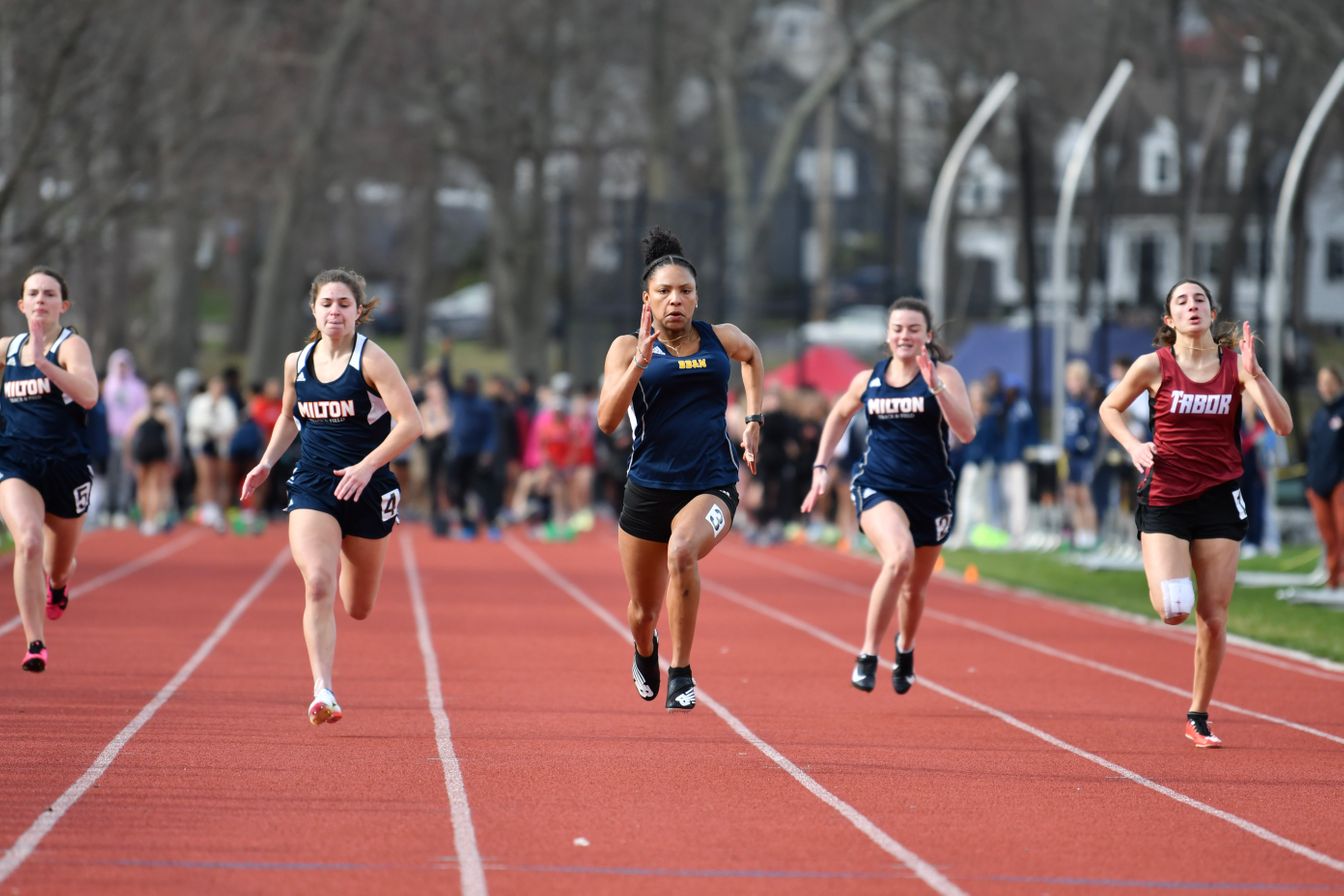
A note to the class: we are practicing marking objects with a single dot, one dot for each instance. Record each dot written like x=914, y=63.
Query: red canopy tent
x=823, y=367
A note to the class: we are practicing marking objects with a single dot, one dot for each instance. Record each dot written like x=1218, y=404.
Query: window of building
x=1159, y=168
x=1334, y=259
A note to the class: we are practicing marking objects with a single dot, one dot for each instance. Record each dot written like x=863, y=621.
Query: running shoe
x=680, y=690
x=903, y=673
x=57, y=601
x=35, y=660
x=644, y=671
x=864, y=676
x=324, y=708
x=1197, y=729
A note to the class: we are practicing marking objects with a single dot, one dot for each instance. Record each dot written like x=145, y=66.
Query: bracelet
x=756, y=418
x=821, y=467
x=643, y=366
x=942, y=387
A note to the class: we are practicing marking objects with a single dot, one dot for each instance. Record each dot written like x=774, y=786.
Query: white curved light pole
x=1292, y=177
x=1059, y=269
x=934, y=255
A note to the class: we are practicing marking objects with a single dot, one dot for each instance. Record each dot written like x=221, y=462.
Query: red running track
x=493, y=741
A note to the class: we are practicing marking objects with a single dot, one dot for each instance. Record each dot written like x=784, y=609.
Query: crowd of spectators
x=500, y=451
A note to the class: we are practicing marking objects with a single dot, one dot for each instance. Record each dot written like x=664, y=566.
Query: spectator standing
x=212, y=418
x=1325, y=471
x=125, y=395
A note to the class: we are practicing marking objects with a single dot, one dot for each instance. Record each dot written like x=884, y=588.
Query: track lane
x=110, y=653
x=1116, y=718
x=229, y=788
x=933, y=742
x=1303, y=693
x=552, y=744
x=578, y=786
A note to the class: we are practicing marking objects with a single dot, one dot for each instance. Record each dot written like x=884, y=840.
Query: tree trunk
x=749, y=215
x=419, y=267
x=1026, y=167
x=661, y=107
x=823, y=188
x=1186, y=212
x=177, y=335
x=267, y=340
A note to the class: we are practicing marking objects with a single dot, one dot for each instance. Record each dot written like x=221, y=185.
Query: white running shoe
x=324, y=707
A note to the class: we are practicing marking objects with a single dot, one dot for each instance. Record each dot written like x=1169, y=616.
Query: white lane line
x=471, y=871
x=808, y=575
x=28, y=841
x=1237, y=821
x=1285, y=658
x=82, y=589
x=922, y=869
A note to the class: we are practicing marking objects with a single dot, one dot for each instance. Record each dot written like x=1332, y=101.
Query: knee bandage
x=1178, y=599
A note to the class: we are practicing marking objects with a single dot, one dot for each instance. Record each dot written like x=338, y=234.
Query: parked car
x=858, y=328
x=464, y=314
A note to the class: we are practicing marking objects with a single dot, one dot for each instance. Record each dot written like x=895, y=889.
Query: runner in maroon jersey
x=1190, y=513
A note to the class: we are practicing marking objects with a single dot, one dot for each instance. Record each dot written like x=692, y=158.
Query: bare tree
x=275, y=311
x=751, y=203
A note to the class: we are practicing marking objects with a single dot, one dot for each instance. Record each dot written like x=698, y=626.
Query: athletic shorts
x=1219, y=512
x=372, y=516
x=929, y=513
x=647, y=513
x=64, y=483
x=1081, y=470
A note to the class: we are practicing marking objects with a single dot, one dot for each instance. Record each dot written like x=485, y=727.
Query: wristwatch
x=756, y=418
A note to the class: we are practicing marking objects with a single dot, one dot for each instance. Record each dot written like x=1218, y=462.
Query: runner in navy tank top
x=902, y=486
x=1191, y=515
x=48, y=387
x=681, y=491
x=346, y=398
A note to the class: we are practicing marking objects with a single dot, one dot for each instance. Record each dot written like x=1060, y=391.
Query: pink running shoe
x=324, y=708
x=35, y=660
x=1197, y=730
x=57, y=601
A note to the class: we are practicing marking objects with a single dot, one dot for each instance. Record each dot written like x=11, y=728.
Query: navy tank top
x=38, y=416
x=907, y=437
x=340, y=422
x=678, y=418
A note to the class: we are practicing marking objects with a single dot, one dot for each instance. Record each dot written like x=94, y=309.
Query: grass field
x=1256, y=612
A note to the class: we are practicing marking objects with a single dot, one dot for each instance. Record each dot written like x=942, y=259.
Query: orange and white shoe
x=324, y=708
x=1197, y=730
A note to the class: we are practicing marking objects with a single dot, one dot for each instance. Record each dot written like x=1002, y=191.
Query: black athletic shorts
x=647, y=512
x=929, y=513
x=65, y=483
x=1219, y=512
x=372, y=516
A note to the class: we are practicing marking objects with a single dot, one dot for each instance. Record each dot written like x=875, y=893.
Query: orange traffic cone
x=971, y=574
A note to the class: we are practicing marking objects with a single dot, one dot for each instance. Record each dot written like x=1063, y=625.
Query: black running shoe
x=864, y=676
x=903, y=673
x=680, y=690
x=645, y=671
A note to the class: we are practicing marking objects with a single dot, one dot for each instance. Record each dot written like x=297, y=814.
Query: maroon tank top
x=1196, y=431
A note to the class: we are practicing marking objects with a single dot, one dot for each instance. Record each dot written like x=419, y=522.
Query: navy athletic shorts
x=64, y=483
x=372, y=516
x=647, y=513
x=929, y=513
x=1219, y=512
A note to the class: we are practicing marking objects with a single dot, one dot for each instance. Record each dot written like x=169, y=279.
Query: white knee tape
x=1178, y=598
